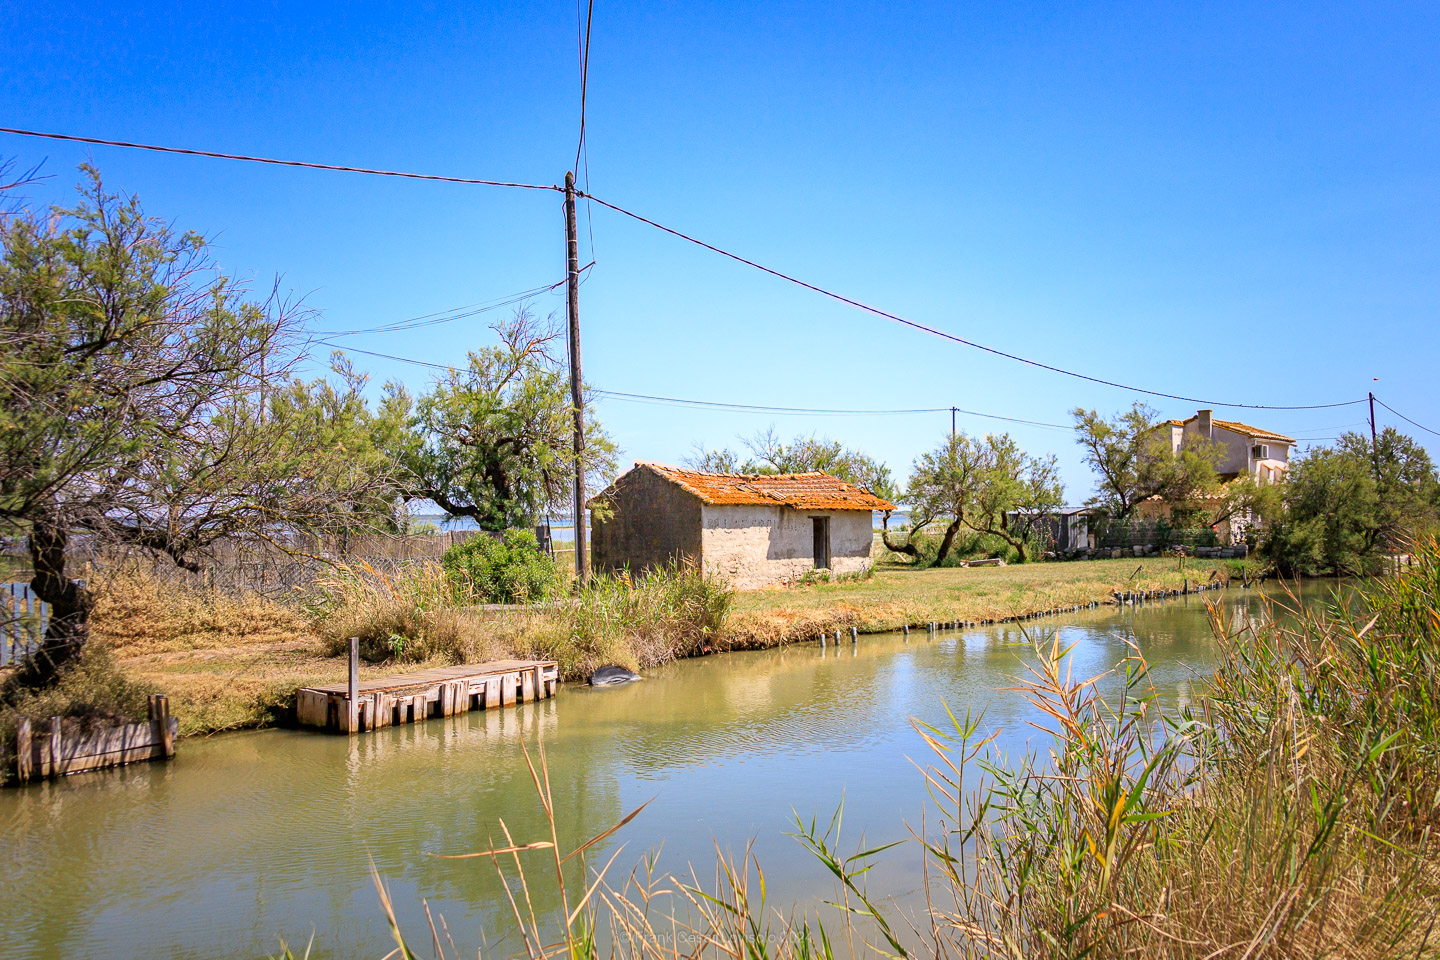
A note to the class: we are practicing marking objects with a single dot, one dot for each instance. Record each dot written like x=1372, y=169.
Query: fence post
x=352, y=705
x=54, y=747
x=23, y=757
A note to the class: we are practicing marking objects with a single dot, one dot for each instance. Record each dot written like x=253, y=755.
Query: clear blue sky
x=1233, y=201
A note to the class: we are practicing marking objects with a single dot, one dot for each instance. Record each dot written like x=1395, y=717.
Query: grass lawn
x=898, y=595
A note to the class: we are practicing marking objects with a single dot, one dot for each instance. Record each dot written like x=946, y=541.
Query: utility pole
x=1374, y=443
x=952, y=426
x=577, y=396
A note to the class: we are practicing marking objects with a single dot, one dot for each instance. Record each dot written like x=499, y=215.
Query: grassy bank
x=898, y=595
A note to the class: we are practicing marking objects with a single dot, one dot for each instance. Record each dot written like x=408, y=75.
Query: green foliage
x=511, y=569
x=92, y=688
x=1343, y=507
x=493, y=442
x=805, y=454
x=1133, y=460
x=977, y=483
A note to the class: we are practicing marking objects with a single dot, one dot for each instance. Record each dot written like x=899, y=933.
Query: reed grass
x=1291, y=814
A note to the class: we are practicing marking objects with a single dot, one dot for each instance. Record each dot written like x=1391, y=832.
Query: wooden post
x=160, y=722
x=54, y=769
x=352, y=707
x=24, y=759
x=577, y=395
x=854, y=634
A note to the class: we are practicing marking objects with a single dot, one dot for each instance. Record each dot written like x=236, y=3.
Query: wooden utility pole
x=952, y=425
x=577, y=396
x=1374, y=443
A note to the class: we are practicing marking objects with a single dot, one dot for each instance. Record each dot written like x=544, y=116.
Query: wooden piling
x=23, y=758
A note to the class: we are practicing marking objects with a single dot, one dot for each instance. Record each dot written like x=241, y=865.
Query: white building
x=750, y=530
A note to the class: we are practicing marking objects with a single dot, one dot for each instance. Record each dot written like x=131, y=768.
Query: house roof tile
x=801, y=491
x=1244, y=428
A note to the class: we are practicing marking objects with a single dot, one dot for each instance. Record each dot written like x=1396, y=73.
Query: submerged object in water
x=606, y=676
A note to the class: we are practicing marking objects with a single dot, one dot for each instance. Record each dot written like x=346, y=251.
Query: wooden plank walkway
x=412, y=697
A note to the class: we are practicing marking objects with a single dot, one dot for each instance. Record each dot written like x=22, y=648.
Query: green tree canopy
x=493, y=441
x=1133, y=460
x=978, y=483
x=130, y=408
x=1341, y=507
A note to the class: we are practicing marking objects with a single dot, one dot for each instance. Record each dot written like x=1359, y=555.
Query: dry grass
x=900, y=595
x=136, y=615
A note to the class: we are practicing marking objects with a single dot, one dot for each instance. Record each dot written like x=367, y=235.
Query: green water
x=247, y=838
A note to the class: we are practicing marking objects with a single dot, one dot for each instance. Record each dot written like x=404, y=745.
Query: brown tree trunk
x=70, y=604
x=947, y=541
x=908, y=548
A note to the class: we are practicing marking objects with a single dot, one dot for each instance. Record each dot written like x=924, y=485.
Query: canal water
x=247, y=838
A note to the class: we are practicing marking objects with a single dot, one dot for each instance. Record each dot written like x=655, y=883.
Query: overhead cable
x=950, y=336
x=281, y=163
x=445, y=316
x=1405, y=418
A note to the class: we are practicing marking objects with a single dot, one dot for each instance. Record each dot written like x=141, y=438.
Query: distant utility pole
x=577, y=396
x=952, y=425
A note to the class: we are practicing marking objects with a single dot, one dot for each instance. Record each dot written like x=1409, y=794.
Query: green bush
x=512, y=569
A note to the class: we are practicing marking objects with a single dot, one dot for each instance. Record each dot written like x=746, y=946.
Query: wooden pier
x=356, y=707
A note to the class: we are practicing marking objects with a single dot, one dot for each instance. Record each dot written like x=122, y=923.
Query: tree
x=1133, y=460
x=978, y=483
x=129, y=403
x=805, y=454
x=1407, y=490
x=492, y=442
x=942, y=487
x=1014, y=493
x=1344, y=506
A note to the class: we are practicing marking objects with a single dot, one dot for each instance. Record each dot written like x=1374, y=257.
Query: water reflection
x=252, y=836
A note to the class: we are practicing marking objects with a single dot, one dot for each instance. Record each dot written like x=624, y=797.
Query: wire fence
x=23, y=619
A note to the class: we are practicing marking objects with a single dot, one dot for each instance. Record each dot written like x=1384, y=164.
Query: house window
x=822, y=541
x=1261, y=451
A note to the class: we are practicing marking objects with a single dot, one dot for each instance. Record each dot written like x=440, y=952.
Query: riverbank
x=897, y=596
x=229, y=663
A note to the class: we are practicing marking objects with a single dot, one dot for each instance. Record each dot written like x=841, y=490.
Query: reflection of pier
x=355, y=707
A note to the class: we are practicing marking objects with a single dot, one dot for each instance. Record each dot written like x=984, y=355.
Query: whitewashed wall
x=755, y=546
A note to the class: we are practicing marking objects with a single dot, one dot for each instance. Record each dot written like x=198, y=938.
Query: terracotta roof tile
x=1243, y=428
x=1250, y=431
x=801, y=491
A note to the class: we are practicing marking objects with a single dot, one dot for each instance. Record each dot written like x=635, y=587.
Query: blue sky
x=1234, y=202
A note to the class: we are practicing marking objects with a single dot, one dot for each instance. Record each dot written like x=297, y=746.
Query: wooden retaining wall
x=410, y=698
x=47, y=752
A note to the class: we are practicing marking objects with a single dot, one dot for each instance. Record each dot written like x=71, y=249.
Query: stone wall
x=654, y=523
x=755, y=546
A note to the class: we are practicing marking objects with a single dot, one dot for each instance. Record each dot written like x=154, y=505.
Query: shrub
x=410, y=615
x=512, y=569
x=92, y=689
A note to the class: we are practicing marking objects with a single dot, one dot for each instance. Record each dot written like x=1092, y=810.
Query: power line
x=820, y=411
x=1405, y=418
x=950, y=336
x=271, y=160
x=584, y=79
x=444, y=316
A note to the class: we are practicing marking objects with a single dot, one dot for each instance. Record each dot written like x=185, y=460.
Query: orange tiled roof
x=1254, y=432
x=1245, y=428
x=802, y=491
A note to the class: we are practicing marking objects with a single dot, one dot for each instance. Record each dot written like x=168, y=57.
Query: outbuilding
x=751, y=530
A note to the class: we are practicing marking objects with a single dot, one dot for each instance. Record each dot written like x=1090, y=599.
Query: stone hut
x=750, y=530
